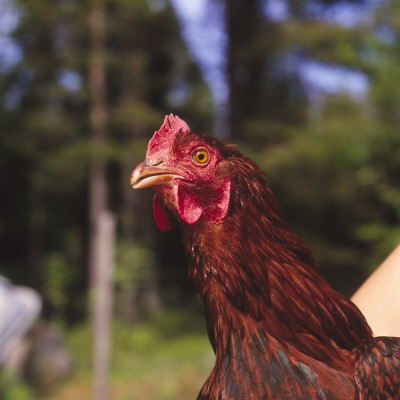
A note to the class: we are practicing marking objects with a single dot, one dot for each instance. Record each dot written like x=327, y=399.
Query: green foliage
x=382, y=232
x=331, y=187
x=12, y=388
x=132, y=261
x=336, y=174
x=170, y=349
x=46, y=151
x=381, y=237
x=57, y=279
x=327, y=43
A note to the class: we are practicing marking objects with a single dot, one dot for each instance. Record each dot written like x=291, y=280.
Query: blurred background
x=309, y=89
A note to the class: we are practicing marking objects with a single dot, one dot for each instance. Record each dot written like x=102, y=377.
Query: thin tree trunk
x=101, y=221
x=245, y=64
x=103, y=302
x=98, y=117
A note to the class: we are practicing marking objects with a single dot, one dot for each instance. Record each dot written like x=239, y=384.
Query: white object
x=19, y=307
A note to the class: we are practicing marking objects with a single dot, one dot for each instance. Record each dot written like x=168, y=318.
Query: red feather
x=279, y=331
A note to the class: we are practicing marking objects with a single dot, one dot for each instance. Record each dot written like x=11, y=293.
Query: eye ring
x=201, y=156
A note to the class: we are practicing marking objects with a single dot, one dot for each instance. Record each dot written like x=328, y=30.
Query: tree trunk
x=102, y=307
x=245, y=65
x=101, y=221
x=98, y=117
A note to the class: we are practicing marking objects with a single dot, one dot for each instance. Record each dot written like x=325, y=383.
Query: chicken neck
x=255, y=274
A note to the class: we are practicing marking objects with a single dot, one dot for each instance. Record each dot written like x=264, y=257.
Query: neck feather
x=252, y=267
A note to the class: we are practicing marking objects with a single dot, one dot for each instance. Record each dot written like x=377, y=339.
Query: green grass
x=11, y=388
x=166, y=357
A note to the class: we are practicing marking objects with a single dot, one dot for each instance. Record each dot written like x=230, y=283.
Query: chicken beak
x=146, y=175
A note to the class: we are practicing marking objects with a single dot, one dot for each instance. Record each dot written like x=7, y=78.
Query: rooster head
x=190, y=173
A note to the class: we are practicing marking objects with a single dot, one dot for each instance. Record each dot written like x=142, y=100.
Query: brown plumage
x=279, y=331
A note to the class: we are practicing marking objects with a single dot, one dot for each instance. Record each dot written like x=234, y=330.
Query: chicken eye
x=201, y=156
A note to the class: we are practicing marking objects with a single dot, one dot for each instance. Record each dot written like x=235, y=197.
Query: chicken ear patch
x=188, y=208
x=161, y=215
x=223, y=203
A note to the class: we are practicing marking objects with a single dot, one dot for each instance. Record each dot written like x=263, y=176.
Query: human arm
x=379, y=297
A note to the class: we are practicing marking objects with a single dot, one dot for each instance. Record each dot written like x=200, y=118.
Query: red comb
x=164, y=137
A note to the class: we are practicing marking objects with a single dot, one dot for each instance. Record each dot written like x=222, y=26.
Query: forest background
x=309, y=89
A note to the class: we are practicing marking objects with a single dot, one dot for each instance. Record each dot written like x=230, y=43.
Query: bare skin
x=378, y=298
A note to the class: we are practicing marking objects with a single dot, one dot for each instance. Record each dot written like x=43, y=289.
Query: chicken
x=278, y=330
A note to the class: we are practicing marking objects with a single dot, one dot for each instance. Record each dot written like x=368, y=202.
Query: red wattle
x=188, y=208
x=161, y=215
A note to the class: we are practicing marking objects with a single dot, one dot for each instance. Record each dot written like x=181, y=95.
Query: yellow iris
x=201, y=156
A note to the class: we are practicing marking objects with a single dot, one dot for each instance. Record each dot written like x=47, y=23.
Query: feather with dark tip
x=378, y=369
x=279, y=331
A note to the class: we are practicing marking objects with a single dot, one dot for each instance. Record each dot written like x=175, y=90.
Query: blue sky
x=204, y=33
x=9, y=52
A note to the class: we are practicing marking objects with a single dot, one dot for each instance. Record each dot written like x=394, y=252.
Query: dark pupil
x=201, y=156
